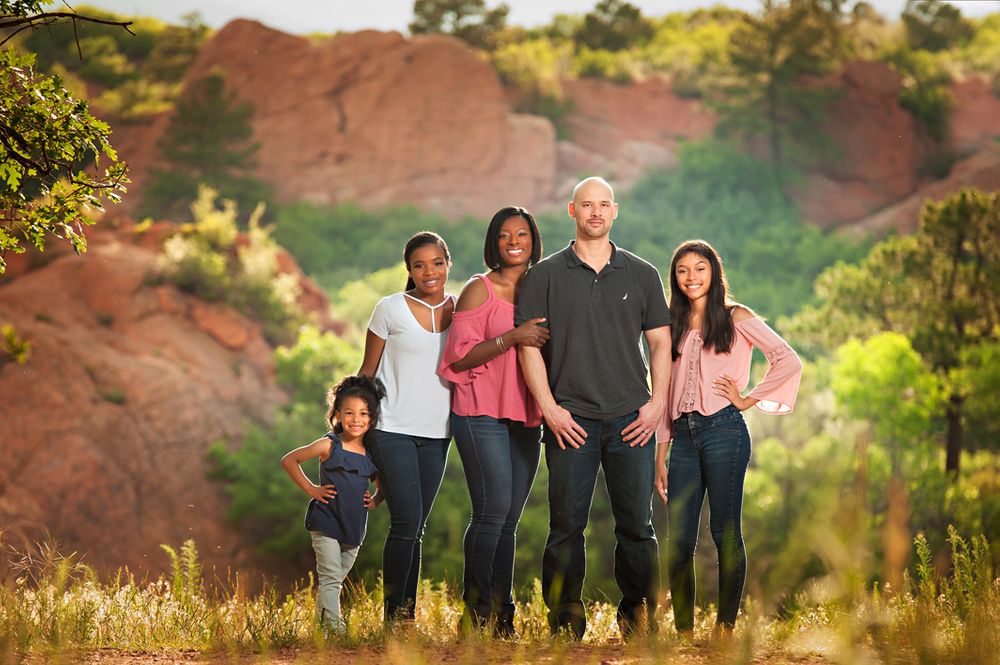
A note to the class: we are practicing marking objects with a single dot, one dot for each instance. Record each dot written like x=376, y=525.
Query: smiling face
x=594, y=209
x=428, y=269
x=514, y=241
x=694, y=275
x=353, y=417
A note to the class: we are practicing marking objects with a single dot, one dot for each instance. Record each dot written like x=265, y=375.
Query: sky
x=325, y=16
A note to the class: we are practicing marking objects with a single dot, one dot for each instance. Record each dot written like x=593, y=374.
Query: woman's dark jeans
x=709, y=454
x=410, y=470
x=500, y=458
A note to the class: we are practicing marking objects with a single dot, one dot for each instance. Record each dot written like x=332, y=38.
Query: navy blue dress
x=344, y=517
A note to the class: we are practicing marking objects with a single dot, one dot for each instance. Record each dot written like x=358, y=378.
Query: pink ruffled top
x=692, y=374
x=496, y=388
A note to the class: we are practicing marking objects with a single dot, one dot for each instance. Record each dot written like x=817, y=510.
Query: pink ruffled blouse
x=692, y=374
x=496, y=388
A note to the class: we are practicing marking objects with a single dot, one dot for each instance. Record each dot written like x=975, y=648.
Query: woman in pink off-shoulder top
x=704, y=430
x=495, y=421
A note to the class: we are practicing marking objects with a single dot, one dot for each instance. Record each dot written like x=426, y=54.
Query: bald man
x=590, y=382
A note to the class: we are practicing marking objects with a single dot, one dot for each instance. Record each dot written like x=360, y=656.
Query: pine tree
x=774, y=90
x=209, y=141
x=469, y=20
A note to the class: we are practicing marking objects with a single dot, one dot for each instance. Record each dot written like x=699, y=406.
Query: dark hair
x=717, y=324
x=491, y=253
x=367, y=388
x=417, y=241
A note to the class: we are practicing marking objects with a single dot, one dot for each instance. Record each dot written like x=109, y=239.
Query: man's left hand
x=641, y=430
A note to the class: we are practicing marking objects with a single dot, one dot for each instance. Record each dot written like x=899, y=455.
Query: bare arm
x=558, y=419
x=651, y=413
x=660, y=482
x=374, y=345
x=293, y=460
x=528, y=333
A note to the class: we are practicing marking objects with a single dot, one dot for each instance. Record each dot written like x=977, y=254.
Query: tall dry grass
x=51, y=602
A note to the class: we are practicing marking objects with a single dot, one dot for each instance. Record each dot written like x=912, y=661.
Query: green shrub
x=311, y=365
x=617, y=66
x=16, y=348
x=925, y=91
x=204, y=259
x=534, y=69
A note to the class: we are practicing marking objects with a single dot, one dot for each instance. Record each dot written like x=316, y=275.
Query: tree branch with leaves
x=56, y=161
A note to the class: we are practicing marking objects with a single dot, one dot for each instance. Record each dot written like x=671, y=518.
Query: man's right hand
x=566, y=430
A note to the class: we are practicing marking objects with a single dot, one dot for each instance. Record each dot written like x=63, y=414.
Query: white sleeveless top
x=417, y=401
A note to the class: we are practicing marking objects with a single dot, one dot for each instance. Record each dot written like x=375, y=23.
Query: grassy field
x=55, y=609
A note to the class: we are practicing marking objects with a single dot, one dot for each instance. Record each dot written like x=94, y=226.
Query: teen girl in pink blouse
x=495, y=421
x=704, y=430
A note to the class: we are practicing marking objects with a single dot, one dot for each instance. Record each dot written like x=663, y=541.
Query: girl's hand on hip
x=323, y=493
x=725, y=386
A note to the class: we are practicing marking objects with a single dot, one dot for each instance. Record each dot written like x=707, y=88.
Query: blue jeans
x=333, y=562
x=709, y=454
x=500, y=458
x=410, y=470
x=629, y=474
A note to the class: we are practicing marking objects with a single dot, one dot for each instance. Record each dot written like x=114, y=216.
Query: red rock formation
x=981, y=170
x=621, y=131
x=105, y=428
x=379, y=119
x=975, y=119
x=880, y=146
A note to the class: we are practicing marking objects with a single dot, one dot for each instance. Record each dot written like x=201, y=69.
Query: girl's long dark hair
x=417, y=241
x=367, y=388
x=491, y=253
x=717, y=323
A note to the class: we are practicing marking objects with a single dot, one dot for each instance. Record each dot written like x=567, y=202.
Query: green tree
x=209, y=141
x=772, y=90
x=533, y=68
x=934, y=25
x=176, y=47
x=614, y=25
x=884, y=382
x=925, y=89
x=939, y=287
x=47, y=140
x=469, y=20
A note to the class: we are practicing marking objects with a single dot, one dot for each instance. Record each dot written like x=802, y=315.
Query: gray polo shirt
x=594, y=357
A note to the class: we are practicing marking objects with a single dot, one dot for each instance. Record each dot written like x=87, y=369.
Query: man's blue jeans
x=709, y=454
x=500, y=458
x=410, y=470
x=629, y=473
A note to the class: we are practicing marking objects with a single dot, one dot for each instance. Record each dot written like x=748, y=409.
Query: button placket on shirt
x=694, y=365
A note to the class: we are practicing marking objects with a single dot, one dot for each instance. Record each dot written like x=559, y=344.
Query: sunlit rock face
x=104, y=430
x=379, y=119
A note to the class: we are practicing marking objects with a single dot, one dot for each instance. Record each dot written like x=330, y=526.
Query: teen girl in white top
x=403, y=347
x=417, y=399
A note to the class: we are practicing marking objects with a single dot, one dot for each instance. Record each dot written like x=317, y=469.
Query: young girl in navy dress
x=337, y=514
